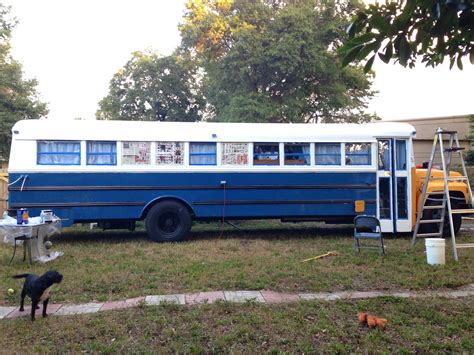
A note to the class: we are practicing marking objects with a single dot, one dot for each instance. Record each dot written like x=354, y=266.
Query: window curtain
x=101, y=153
x=307, y=156
x=202, y=154
x=59, y=153
x=328, y=154
x=401, y=154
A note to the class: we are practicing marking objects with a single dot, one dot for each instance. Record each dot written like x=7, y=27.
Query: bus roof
x=46, y=129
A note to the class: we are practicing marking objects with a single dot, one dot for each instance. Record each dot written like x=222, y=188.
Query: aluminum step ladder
x=442, y=199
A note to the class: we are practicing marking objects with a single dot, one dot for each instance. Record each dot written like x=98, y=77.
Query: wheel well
x=457, y=197
x=166, y=198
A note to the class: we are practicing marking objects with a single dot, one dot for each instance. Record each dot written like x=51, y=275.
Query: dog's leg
x=22, y=300
x=34, y=305
x=45, y=306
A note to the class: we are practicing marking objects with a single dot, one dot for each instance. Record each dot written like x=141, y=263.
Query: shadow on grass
x=73, y=236
x=212, y=231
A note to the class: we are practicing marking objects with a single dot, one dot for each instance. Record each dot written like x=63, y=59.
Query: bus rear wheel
x=168, y=221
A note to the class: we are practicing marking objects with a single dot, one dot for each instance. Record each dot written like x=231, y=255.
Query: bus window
x=401, y=154
x=101, y=153
x=328, y=154
x=266, y=154
x=402, y=207
x=136, y=153
x=235, y=153
x=384, y=198
x=202, y=154
x=384, y=155
x=169, y=153
x=58, y=153
x=358, y=154
x=297, y=154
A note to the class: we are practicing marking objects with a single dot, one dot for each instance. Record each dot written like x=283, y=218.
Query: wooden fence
x=3, y=188
x=3, y=192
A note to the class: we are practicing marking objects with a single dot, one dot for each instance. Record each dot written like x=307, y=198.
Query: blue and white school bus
x=170, y=174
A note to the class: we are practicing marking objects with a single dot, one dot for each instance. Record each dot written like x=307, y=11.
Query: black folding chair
x=367, y=227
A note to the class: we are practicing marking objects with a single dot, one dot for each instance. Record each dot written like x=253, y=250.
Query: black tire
x=433, y=227
x=168, y=221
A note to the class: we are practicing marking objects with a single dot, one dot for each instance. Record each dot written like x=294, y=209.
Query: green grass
x=415, y=325
x=100, y=266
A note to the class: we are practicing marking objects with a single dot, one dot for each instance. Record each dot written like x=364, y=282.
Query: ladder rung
x=429, y=234
x=467, y=245
x=463, y=211
x=446, y=132
x=436, y=193
x=450, y=178
x=434, y=207
x=426, y=221
x=468, y=218
x=454, y=149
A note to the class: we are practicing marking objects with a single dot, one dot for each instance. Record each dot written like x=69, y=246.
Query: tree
x=18, y=97
x=154, y=88
x=404, y=30
x=275, y=61
x=469, y=155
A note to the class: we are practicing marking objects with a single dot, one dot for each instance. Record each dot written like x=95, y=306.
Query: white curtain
x=59, y=153
x=202, y=154
x=307, y=156
x=328, y=154
x=101, y=153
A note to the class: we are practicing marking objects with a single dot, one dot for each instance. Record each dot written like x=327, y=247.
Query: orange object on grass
x=371, y=321
x=381, y=322
x=362, y=316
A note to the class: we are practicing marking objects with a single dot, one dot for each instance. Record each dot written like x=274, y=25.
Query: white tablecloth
x=35, y=229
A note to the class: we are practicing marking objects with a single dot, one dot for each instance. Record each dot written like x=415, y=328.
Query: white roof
x=205, y=131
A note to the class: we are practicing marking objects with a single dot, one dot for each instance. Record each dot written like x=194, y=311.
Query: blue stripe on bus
x=201, y=191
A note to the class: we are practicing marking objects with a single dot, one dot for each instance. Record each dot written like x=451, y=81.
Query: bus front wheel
x=168, y=221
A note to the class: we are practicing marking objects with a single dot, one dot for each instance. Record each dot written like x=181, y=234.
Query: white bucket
x=435, y=251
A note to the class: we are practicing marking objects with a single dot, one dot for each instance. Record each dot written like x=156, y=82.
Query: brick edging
x=264, y=296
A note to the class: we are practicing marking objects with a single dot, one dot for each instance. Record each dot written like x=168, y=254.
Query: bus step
x=439, y=234
x=467, y=245
x=426, y=221
x=463, y=211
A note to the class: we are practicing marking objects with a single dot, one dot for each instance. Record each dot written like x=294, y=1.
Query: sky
x=74, y=47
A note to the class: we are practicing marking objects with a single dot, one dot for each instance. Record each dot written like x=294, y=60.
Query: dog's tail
x=21, y=276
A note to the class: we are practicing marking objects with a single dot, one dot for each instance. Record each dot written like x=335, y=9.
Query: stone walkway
x=268, y=297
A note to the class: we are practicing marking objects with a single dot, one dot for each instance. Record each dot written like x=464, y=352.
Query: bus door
x=393, y=185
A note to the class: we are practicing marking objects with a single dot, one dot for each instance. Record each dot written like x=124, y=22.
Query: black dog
x=38, y=288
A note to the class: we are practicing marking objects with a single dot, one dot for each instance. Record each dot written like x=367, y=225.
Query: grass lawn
x=415, y=325
x=100, y=266
x=114, y=265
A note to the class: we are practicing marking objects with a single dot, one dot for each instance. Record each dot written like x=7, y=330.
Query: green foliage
x=154, y=88
x=404, y=30
x=275, y=61
x=469, y=156
x=18, y=97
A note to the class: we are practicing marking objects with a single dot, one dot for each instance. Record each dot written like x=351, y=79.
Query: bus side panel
x=108, y=196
